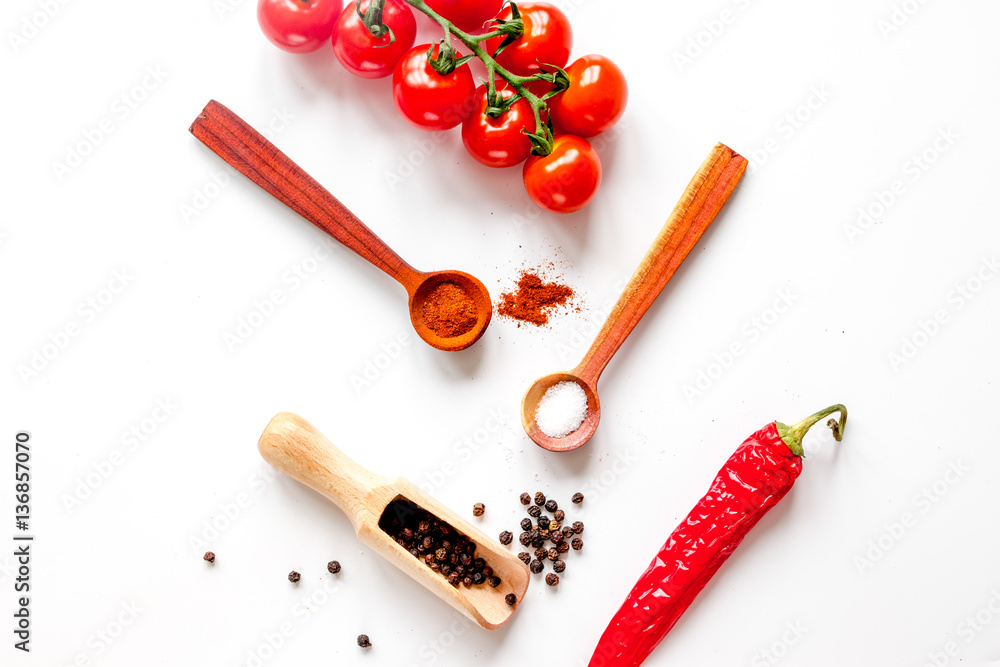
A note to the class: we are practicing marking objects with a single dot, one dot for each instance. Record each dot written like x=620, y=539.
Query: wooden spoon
x=294, y=446
x=698, y=206
x=258, y=159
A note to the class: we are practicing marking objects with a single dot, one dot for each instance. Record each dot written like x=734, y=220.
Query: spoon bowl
x=529, y=408
x=473, y=288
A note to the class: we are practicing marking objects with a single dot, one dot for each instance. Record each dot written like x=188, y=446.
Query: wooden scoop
x=232, y=139
x=293, y=446
x=701, y=202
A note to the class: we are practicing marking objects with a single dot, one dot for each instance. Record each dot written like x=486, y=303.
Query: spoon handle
x=295, y=447
x=232, y=139
x=697, y=208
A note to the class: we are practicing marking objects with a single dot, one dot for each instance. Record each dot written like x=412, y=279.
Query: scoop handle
x=701, y=202
x=232, y=139
x=297, y=448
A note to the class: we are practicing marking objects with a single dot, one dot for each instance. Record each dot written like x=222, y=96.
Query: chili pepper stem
x=792, y=435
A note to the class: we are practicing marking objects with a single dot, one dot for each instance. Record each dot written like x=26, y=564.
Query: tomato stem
x=542, y=139
x=372, y=19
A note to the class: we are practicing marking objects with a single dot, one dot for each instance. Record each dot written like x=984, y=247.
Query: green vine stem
x=792, y=435
x=447, y=60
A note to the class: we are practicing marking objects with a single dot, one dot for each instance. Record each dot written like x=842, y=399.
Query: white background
x=834, y=560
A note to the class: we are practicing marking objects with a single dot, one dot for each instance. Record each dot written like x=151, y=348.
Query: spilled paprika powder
x=534, y=299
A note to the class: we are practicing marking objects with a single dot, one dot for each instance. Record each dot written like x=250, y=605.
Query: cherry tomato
x=566, y=179
x=547, y=39
x=499, y=142
x=373, y=57
x=595, y=99
x=468, y=15
x=298, y=26
x=427, y=99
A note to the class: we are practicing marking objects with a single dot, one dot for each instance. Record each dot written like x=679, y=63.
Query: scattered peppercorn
x=536, y=566
x=525, y=523
x=577, y=498
x=567, y=532
x=294, y=577
x=364, y=641
x=478, y=509
x=525, y=499
x=493, y=581
x=541, y=553
x=551, y=505
x=578, y=527
x=557, y=536
x=510, y=599
x=539, y=498
x=555, y=525
x=506, y=537
x=543, y=522
x=535, y=511
x=552, y=579
x=553, y=554
x=525, y=538
x=209, y=556
x=525, y=557
x=577, y=543
x=537, y=541
x=562, y=547
x=333, y=566
x=559, y=515
x=559, y=565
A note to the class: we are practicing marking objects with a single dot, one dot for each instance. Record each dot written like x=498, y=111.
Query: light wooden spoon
x=698, y=206
x=296, y=448
x=232, y=139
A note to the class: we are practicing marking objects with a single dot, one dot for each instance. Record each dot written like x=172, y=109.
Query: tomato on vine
x=566, y=179
x=547, y=39
x=427, y=98
x=298, y=26
x=500, y=141
x=467, y=15
x=367, y=55
x=595, y=99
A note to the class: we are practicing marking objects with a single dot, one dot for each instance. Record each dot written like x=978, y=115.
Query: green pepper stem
x=793, y=435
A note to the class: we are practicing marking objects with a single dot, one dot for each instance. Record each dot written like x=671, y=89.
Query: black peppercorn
x=406, y=534
x=333, y=566
x=551, y=505
x=454, y=578
x=487, y=571
x=478, y=563
x=553, y=554
x=493, y=581
x=525, y=557
x=465, y=559
x=578, y=526
x=525, y=524
x=536, y=566
x=577, y=498
x=562, y=547
x=478, y=509
x=294, y=577
x=510, y=599
x=559, y=515
x=543, y=522
x=567, y=532
x=538, y=541
x=364, y=642
x=445, y=568
x=506, y=537
x=577, y=543
x=535, y=511
x=209, y=556
x=557, y=536
x=539, y=498
x=424, y=526
x=544, y=534
x=552, y=579
x=525, y=538
x=541, y=553
x=525, y=499
x=467, y=581
x=477, y=578
x=441, y=553
x=559, y=565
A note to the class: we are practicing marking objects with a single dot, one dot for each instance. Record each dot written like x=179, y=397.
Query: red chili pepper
x=751, y=482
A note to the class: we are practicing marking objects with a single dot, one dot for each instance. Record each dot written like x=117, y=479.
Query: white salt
x=561, y=410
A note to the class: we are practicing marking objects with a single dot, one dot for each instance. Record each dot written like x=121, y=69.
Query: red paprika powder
x=449, y=311
x=534, y=299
